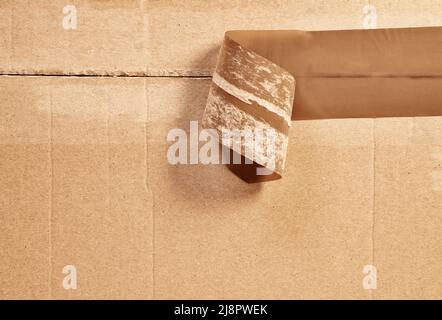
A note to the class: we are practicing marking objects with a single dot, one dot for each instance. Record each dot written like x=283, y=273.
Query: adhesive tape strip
x=339, y=74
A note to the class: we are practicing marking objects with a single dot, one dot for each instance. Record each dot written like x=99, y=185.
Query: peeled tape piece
x=339, y=74
x=249, y=104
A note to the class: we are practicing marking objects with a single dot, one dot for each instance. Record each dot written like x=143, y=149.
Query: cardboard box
x=86, y=185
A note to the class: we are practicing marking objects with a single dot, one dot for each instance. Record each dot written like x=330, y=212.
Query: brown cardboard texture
x=90, y=206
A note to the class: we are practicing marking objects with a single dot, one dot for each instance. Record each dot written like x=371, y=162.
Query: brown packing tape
x=339, y=74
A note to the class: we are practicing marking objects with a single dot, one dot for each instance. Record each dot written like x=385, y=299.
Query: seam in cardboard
x=374, y=201
x=93, y=74
x=202, y=75
x=193, y=75
x=51, y=201
x=108, y=150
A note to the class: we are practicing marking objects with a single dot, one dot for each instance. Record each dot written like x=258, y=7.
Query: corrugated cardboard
x=85, y=181
x=75, y=192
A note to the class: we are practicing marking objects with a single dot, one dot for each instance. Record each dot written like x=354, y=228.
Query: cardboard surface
x=74, y=176
x=85, y=181
x=271, y=240
x=146, y=37
x=407, y=214
x=305, y=236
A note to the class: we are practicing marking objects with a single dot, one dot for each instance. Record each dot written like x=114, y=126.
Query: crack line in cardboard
x=79, y=75
x=374, y=202
x=108, y=196
x=204, y=75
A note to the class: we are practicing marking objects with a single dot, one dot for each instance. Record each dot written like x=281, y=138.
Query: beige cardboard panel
x=215, y=235
x=399, y=13
x=102, y=213
x=109, y=37
x=183, y=45
x=407, y=230
x=305, y=236
x=25, y=184
x=148, y=37
x=157, y=37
